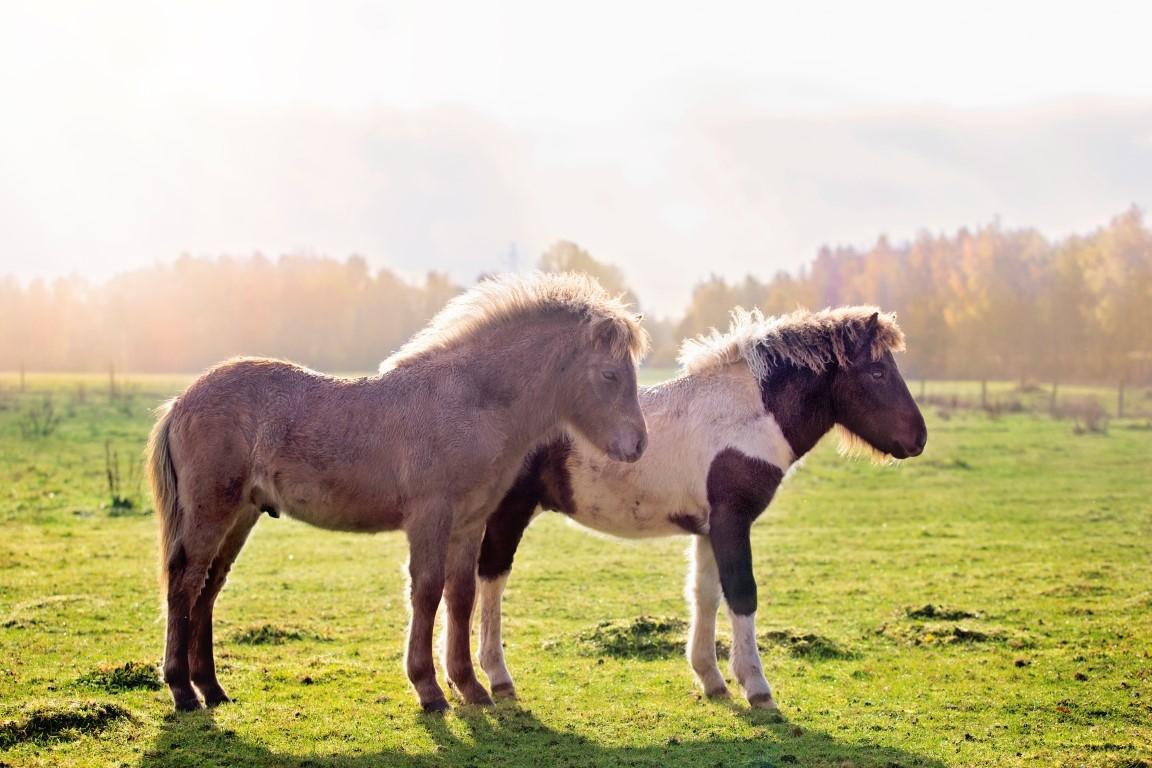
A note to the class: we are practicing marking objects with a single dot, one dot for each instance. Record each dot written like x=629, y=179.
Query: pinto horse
x=748, y=405
x=428, y=447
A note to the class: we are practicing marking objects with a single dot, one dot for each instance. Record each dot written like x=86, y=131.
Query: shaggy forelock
x=812, y=340
x=516, y=298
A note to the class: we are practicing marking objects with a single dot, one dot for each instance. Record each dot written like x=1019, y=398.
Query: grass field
x=988, y=604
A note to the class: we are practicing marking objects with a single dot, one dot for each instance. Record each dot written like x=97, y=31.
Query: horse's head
x=872, y=402
x=603, y=403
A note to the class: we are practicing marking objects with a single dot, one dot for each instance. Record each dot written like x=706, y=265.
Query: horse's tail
x=162, y=476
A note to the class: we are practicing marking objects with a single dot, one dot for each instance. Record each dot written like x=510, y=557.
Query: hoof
x=435, y=707
x=472, y=692
x=763, y=701
x=213, y=694
x=504, y=691
x=719, y=693
x=186, y=703
x=216, y=698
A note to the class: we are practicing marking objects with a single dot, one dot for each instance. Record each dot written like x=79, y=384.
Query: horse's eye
x=877, y=373
x=609, y=375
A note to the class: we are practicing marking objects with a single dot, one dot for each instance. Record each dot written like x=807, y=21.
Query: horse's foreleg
x=703, y=593
x=428, y=525
x=730, y=530
x=200, y=656
x=501, y=539
x=460, y=594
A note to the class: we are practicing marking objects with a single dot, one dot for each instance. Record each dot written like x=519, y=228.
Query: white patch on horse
x=704, y=594
x=491, y=642
x=745, y=662
x=690, y=420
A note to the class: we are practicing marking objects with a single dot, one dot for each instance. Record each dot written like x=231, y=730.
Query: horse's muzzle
x=628, y=449
x=914, y=448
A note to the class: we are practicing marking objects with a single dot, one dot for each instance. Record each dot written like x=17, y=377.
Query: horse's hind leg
x=703, y=592
x=200, y=657
x=460, y=594
x=187, y=573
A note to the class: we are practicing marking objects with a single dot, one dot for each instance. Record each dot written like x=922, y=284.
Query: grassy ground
x=988, y=604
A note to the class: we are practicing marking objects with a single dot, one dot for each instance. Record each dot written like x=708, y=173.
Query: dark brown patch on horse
x=801, y=402
x=543, y=481
x=555, y=482
x=689, y=523
x=742, y=483
x=739, y=489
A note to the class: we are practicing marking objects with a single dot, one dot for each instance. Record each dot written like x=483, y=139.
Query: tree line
x=986, y=303
x=195, y=311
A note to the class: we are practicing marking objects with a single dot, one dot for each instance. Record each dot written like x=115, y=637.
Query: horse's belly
x=637, y=513
x=336, y=506
x=356, y=519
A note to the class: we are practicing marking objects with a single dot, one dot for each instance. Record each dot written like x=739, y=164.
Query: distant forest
x=989, y=303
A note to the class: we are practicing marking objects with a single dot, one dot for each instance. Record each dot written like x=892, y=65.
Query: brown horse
x=750, y=403
x=428, y=446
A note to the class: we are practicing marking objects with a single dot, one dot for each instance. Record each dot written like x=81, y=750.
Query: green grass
x=1030, y=544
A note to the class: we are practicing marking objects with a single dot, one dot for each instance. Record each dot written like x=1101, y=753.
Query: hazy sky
x=721, y=137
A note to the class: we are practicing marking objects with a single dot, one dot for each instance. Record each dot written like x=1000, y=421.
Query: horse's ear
x=864, y=344
x=606, y=334
x=639, y=317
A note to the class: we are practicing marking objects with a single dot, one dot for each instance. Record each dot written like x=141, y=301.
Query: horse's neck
x=801, y=402
x=516, y=378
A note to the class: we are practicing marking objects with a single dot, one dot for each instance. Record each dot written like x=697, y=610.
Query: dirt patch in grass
x=946, y=634
x=939, y=612
x=1076, y=590
x=662, y=637
x=60, y=722
x=804, y=645
x=644, y=637
x=130, y=676
x=1131, y=762
x=268, y=634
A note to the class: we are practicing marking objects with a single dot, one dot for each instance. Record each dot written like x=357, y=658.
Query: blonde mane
x=514, y=298
x=812, y=340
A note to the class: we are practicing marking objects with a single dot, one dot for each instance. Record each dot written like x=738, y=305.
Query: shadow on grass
x=511, y=736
